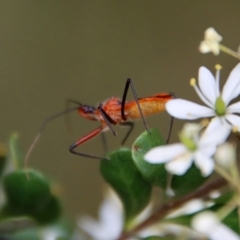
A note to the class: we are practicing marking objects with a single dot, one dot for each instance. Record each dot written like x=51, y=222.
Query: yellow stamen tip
x=205, y=122
x=235, y=129
x=218, y=67
x=192, y=82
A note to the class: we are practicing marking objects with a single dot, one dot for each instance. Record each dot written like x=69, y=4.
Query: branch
x=166, y=208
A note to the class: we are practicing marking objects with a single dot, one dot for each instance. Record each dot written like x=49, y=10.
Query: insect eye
x=88, y=109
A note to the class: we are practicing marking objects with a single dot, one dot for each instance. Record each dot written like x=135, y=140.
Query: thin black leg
x=131, y=126
x=129, y=82
x=104, y=143
x=170, y=129
x=107, y=119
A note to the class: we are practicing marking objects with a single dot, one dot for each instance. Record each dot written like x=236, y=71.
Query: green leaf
x=121, y=173
x=155, y=174
x=26, y=192
x=232, y=221
x=188, y=182
x=29, y=196
x=16, y=152
x=49, y=212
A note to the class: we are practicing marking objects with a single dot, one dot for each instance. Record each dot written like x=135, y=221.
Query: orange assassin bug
x=114, y=111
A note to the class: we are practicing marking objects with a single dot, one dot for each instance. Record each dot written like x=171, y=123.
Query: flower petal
x=216, y=136
x=226, y=155
x=214, y=124
x=180, y=164
x=204, y=222
x=205, y=47
x=90, y=226
x=211, y=42
x=207, y=84
x=222, y=231
x=205, y=164
x=183, y=109
x=111, y=212
x=208, y=150
x=234, y=108
x=164, y=153
x=211, y=35
x=229, y=90
x=208, y=223
x=111, y=219
x=189, y=207
x=236, y=91
x=234, y=120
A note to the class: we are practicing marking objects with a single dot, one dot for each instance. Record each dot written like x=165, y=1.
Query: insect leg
x=104, y=142
x=107, y=119
x=131, y=126
x=84, y=139
x=170, y=130
x=130, y=82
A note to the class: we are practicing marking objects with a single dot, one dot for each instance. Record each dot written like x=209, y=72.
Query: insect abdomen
x=149, y=106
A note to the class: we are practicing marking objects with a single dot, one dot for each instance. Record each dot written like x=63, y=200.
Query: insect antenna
x=67, y=116
x=35, y=141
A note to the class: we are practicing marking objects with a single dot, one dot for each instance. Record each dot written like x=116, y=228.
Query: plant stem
x=229, y=51
x=170, y=206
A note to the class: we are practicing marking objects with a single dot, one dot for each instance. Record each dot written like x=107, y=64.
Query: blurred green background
x=84, y=50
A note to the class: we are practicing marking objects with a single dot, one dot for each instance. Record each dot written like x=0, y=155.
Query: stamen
x=235, y=129
x=199, y=93
x=204, y=122
x=218, y=67
x=192, y=82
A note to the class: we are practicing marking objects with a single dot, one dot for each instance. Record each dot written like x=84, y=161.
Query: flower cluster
x=211, y=42
x=193, y=147
x=201, y=145
x=205, y=144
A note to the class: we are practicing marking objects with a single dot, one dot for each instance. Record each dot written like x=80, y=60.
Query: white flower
x=190, y=207
x=217, y=102
x=110, y=225
x=111, y=222
x=225, y=155
x=208, y=223
x=210, y=42
x=180, y=156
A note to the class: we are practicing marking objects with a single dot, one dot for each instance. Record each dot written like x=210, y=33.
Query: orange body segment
x=113, y=108
x=149, y=106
